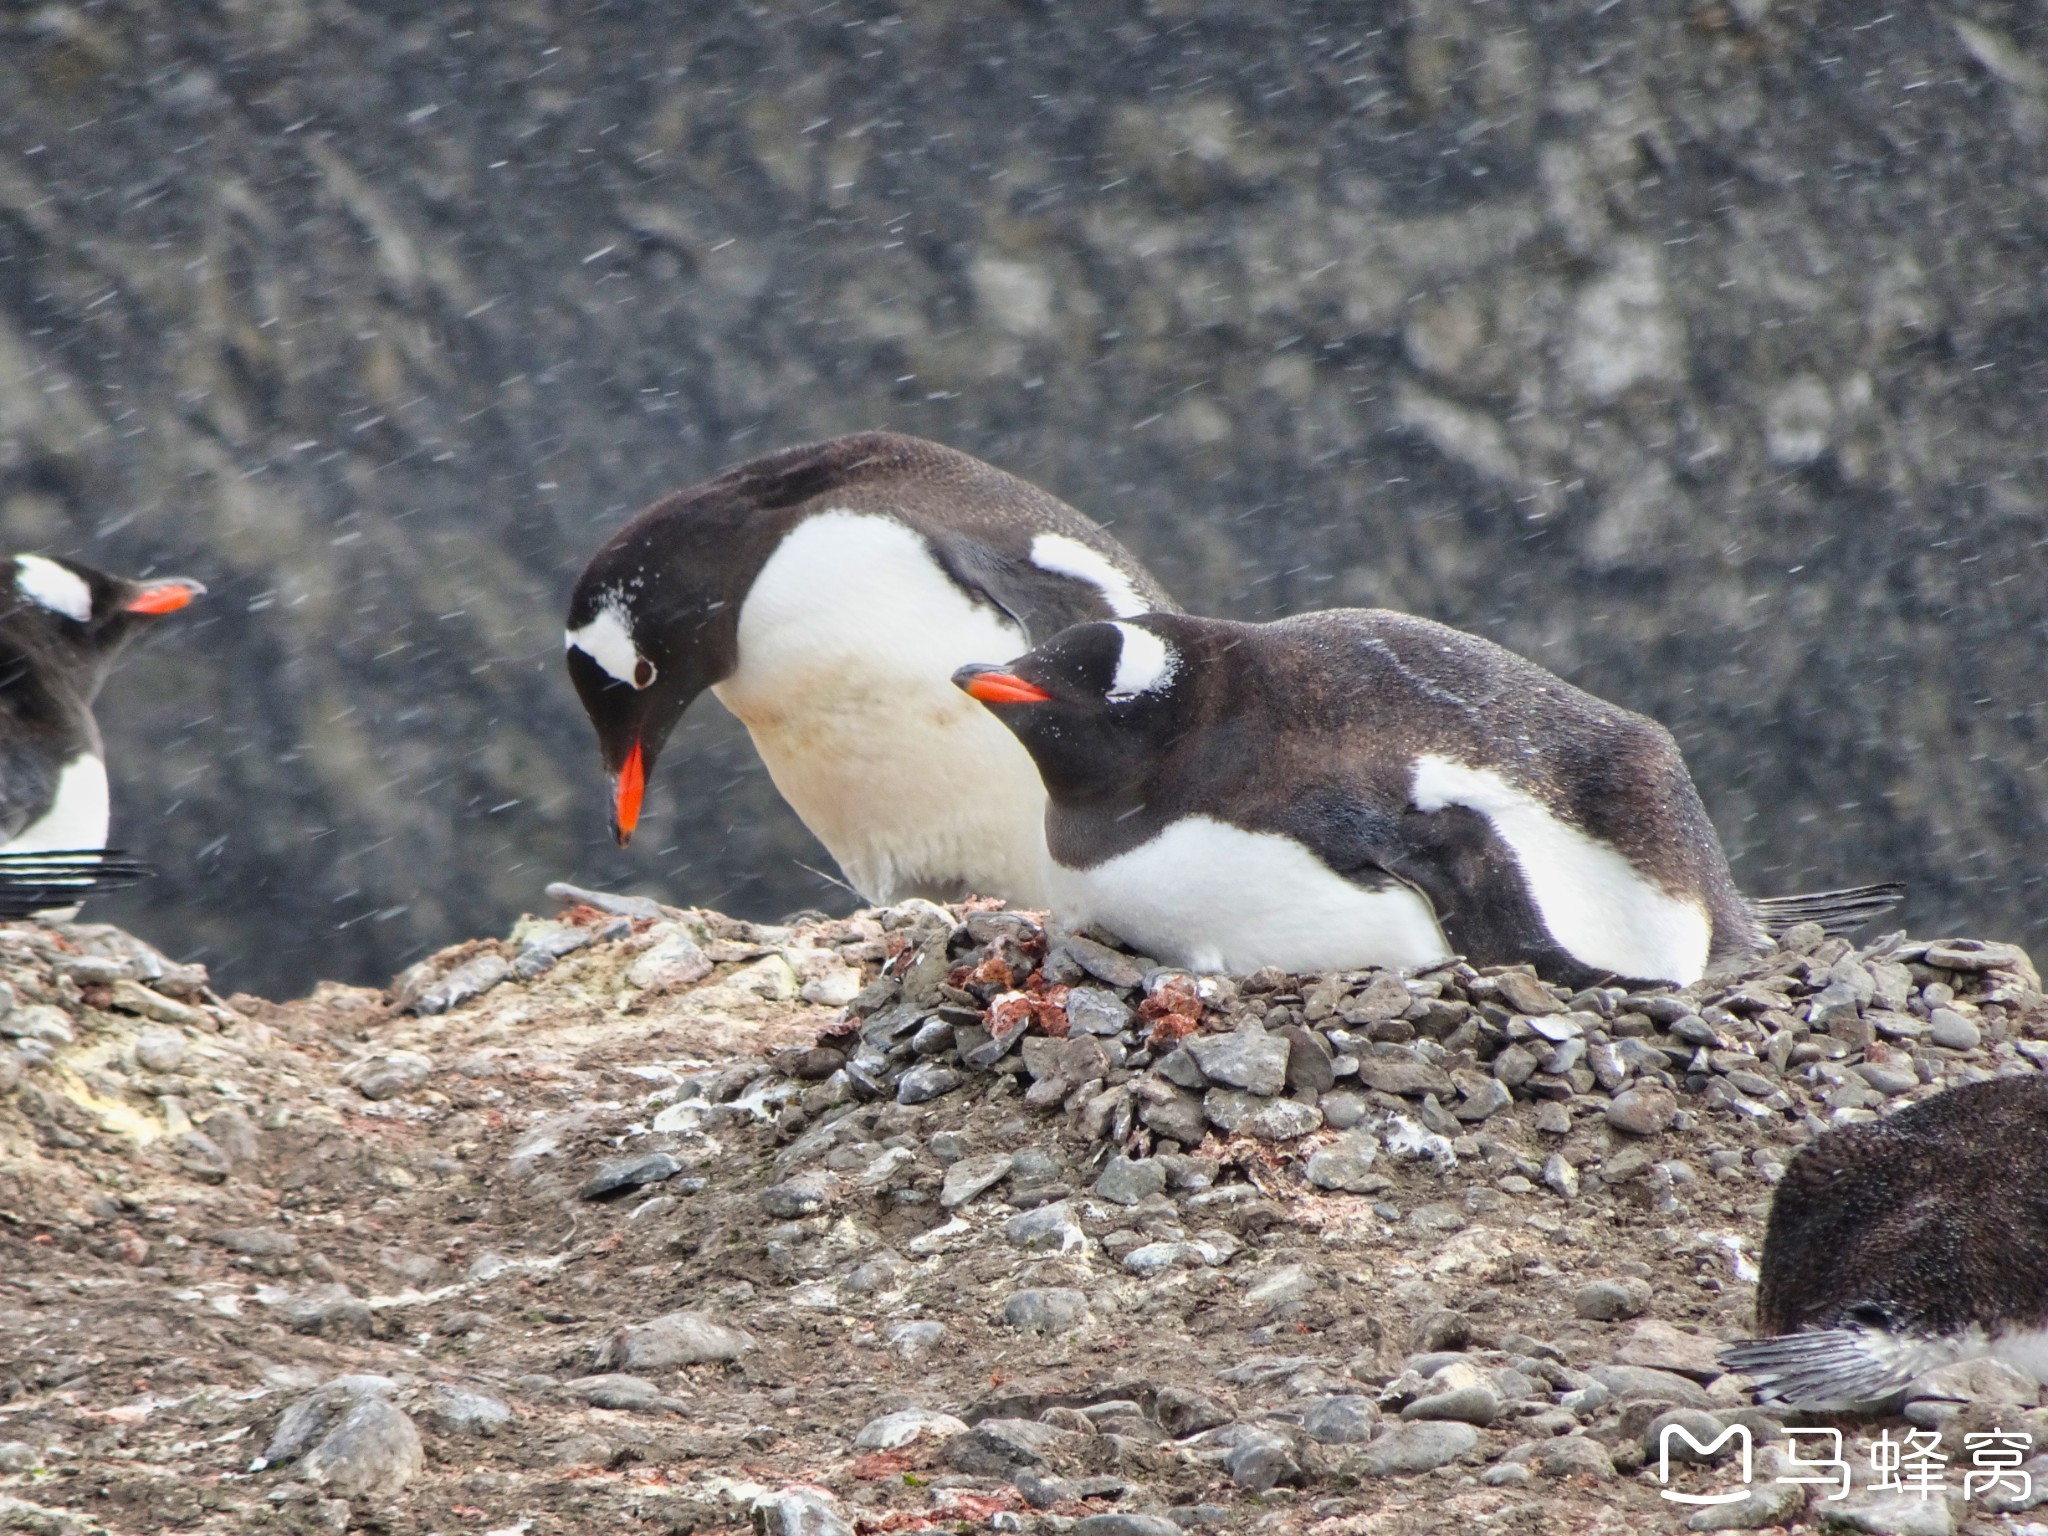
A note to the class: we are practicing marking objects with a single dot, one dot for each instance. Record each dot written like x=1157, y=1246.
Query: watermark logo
x=1915, y=1465
x=1736, y=1432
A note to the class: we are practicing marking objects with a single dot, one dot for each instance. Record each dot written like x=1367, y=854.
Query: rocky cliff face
x=1696, y=351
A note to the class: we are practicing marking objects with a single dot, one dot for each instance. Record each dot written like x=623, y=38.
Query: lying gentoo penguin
x=1357, y=788
x=61, y=627
x=1900, y=1245
x=825, y=595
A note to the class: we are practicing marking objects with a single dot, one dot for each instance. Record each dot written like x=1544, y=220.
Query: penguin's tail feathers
x=1838, y=912
x=53, y=880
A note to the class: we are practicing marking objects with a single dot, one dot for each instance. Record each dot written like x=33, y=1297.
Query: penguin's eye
x=1870, y=1315
x=643, y=672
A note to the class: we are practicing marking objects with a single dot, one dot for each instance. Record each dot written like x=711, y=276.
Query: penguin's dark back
x=1933, y=1218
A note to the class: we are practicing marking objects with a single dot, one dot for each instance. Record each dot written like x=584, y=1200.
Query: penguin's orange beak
x=164, y=596
x=992, y=687
x=627, y=789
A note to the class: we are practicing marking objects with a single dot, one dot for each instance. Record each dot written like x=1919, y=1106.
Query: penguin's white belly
x=77, y=817
x=848, y=641
x=1213, y=897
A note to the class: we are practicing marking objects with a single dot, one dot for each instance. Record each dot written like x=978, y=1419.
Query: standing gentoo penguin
x=1900, y=1245
x=1357, y=788
x=61, y=627
x=826, y=594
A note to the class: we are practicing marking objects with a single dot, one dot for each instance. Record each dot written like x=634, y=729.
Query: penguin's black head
x=639, y=651
x=72, y=615
x=1095, y=705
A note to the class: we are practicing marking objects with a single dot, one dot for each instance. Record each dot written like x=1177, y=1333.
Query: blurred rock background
x=1697, y=350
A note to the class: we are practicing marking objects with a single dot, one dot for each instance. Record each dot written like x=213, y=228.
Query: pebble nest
x=924, y=1217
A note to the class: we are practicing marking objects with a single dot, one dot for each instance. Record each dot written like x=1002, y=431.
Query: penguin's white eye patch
x=55, y=588
x=608, y=640
x=1146, y=664
x=1063, y=556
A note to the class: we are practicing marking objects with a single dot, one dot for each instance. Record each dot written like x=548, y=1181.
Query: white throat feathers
x=848, y=640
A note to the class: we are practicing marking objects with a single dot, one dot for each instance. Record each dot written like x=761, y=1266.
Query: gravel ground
x=646, y=1218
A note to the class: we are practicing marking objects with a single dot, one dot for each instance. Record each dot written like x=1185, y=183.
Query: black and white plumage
x=62, y=626
x=825, y=595
x=1356, y=788
x=1904, y=1244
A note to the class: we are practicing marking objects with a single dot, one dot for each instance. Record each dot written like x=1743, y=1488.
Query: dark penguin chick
x=1904, y=1244
x=1359, y=788
x=825, y=595
x=62, y=625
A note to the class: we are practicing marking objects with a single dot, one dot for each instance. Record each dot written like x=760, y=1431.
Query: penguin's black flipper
x=1839, y=912
x=54, y=879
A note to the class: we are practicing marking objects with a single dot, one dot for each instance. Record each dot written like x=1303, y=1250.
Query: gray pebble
x=1125, y=1525
x=1178, y=1067
x=1283, y=1120
x=1092, y=1011
x=1610, y=1301
x=1346, y=1163
x=349, y=1437
x=471, y=979
x=1179, y=1115
x=1249, y=1059
x=997, y=1447
x=257, y=1242
x=159, y=1050
x=604, y=901
x=1559, y=1176
x=329, y=1311
x=800, y=1511
x=1566, y=1456
x=1343, y=1109
x=18, y=1456
x=1887, y=1077
x=927, y=1081
x=1260, y=1462
x=1625, y=1381
x=1400, y=1070
x=459, y=1411
x=1055, y=1310
x=675, y=1339
x=1469, y=1402
x=1418, y=1446
x=1126, y=1181
x=622, y=1175
x=389, y=1075
x=614, y=1390
x=1048, y=1227
x=1645, y=1111
x=970, y=1176
x=673, y=960
x=1105, y=964
x=1348, y=1420
x=1182, y=1412
x=39, y=1021
x=803, y=1195
x=913, y=1340
x=1525, y=994
x=892, y=1431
